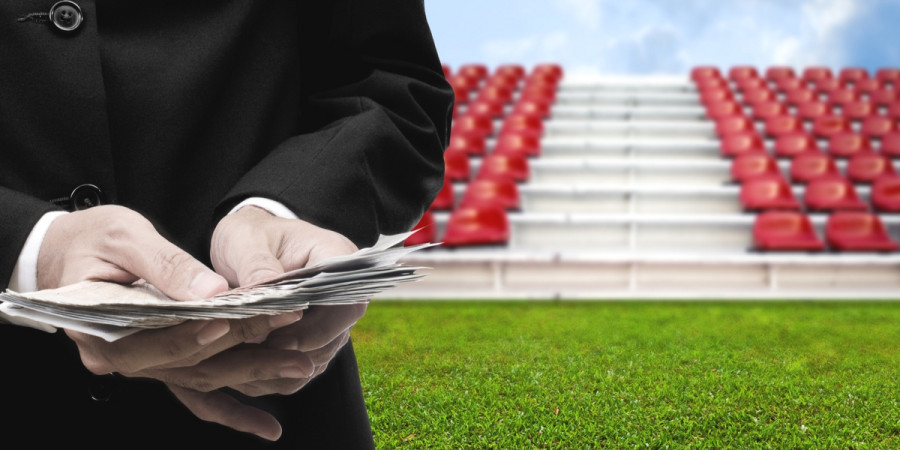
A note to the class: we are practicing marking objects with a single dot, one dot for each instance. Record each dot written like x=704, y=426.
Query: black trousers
x=49, y=399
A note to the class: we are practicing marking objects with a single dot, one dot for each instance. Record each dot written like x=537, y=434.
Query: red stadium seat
x=883, y=96
x=538, y=91
x=462, y=88
x=840, y=96
x=799, y=95
x=765, y=110
x=811, y=165
x=484, y=107
x=552, y=70
x=456, y=166
x=878, y=126
x=474, y=71
x=816, y=73
x=827, y=86
x=813, y=109
x=511, y=70
x=447, y=70
x=789, y=84
x=867, y=167
x=830, y=125
x=753, y=165
x=751, y=83
x=704, y=84
x=495, y=94
x=470, y=143
x=491, y=192
x=757, y=95
x=868, y=86
x=727, y=126
x=741, y=143
x=716, y=110
x=888, y=75
x=476, y=226
x=789, y=145
x=478, y=124
x=858, y=109
x=832, y=193
x=532, y=107
x=715, y=94
x=847, y=144
x=446, y=198
x=853, y=74
x=517, y=143
x=775, y=73
x=894, y=110
x=425, y=230
x=522, y=123
x=780, y=125
x=785, y=231
x=768, y=193
x=703, y=72
x=885, y=194
x=742, y=72
x=858, y=231
x=513, y=167
x=890, y=144
x=505, y=82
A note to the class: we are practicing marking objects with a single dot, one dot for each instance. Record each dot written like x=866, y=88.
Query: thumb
x=171, y=270
x=256, y=266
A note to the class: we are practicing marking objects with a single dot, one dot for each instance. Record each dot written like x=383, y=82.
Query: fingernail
x=293, y=372
x=283, y=320
x=207, y=284
x=212, y=331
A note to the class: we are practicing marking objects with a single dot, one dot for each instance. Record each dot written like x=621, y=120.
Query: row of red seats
x=788, y=145
x=809, y=74
x=824, y=194
x=845, y=231
x=863, y=168
x=520, y=101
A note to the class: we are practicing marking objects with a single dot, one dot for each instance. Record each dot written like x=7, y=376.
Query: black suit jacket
x=179, y=110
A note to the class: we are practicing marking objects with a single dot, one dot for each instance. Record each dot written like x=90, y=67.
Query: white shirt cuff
x=276, y=208
x=24, y=276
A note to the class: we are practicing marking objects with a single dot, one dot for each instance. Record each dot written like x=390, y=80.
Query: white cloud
x=587, y=12
x=527, y=49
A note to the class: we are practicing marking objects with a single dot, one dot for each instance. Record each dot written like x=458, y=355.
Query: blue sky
x=666, y=36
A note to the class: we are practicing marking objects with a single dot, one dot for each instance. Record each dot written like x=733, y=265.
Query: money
x=112, y=311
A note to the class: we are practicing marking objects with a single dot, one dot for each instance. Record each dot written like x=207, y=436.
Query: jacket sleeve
x=375, y=121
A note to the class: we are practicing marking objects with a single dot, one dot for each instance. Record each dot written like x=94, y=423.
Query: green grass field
x=632, y=374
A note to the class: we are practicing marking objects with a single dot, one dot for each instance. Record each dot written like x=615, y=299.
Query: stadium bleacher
x=744, y=182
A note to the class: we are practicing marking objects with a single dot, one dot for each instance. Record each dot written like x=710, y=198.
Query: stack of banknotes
x=112, y=310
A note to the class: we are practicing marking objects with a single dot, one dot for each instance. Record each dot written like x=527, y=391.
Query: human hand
x=117, y=244
x=191, y=359
x=114, y=243
x=251, y=245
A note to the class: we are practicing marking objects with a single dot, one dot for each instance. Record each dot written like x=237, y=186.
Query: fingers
x=223, y=409
x=239, y=366
x=143, y=252
x=251, y=245
x=321, y=325
x=319, y=358
x=182, y=345
x=117, y=244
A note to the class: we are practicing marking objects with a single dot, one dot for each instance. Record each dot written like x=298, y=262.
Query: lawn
x=516, y=374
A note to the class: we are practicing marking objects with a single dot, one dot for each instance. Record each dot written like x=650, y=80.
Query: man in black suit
x=250, y=137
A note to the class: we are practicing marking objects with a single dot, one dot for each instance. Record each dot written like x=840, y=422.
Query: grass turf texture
x=631, y=374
